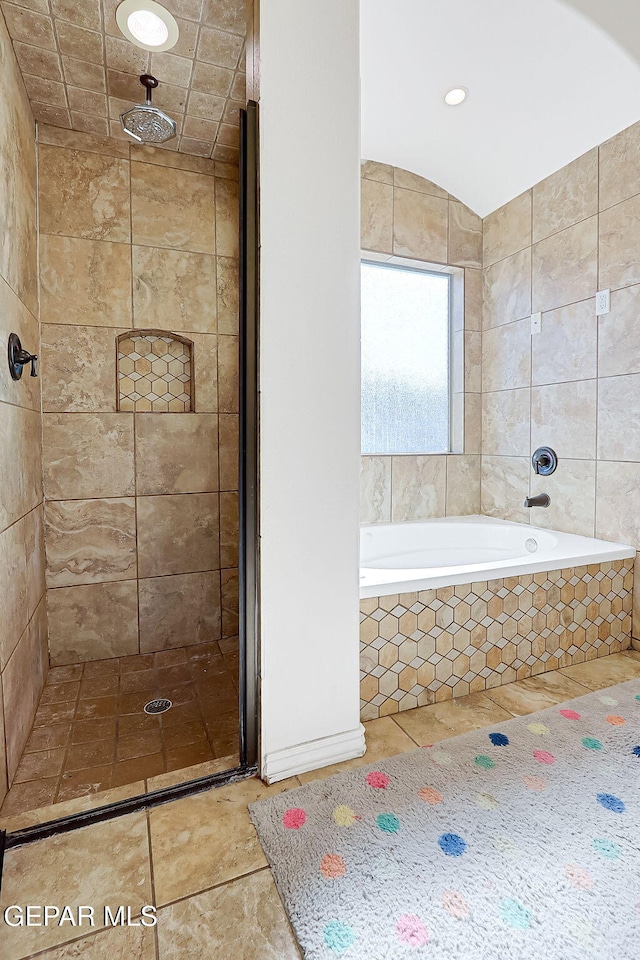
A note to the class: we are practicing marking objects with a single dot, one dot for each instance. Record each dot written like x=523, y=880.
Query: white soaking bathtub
x=404, y=557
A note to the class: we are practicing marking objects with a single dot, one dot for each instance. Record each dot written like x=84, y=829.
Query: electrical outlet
x=603, y=302
x=536, y=323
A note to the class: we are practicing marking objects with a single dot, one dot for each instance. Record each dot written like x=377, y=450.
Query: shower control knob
x=544, y=461
x=18, y=357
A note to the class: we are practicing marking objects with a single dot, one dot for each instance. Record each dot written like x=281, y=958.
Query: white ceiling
x=546, y=83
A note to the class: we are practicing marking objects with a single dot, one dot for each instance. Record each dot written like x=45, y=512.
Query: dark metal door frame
x=248, y=569
x=248, y=505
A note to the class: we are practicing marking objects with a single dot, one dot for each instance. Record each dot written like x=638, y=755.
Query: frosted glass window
x=405, y=360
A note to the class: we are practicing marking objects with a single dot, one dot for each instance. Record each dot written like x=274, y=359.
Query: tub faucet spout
x=542, y=500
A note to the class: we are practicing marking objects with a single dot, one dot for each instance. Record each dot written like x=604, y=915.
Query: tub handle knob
x=545, y=461
x=18, y=358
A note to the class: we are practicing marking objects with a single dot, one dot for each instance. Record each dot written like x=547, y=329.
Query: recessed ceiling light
x=456, y=96
x=147, y=24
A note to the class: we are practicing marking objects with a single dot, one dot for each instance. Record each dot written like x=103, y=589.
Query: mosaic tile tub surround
x=431, y=645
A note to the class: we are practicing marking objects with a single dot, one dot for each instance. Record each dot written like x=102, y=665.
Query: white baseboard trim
x=313, y=754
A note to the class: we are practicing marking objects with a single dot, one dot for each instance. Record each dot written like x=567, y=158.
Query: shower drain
x=158, y=706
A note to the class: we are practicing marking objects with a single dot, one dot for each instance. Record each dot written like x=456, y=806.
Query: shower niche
x=154, y=372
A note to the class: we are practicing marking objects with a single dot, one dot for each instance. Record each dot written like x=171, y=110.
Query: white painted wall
x=309, y=383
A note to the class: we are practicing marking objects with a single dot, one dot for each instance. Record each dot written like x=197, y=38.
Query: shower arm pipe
x=149, y=83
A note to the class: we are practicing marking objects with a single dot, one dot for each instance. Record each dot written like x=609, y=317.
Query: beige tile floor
x=199, y=860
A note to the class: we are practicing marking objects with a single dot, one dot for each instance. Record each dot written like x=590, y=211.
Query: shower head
x=146, y=123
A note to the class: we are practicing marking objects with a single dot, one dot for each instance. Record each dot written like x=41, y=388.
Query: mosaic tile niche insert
x=419, y=648
x=155, y=372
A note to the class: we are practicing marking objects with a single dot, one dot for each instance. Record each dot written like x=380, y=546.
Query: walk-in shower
x=122, y=675
x=126, y=678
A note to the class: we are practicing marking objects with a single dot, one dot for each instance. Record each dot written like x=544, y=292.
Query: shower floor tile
x=90, y=732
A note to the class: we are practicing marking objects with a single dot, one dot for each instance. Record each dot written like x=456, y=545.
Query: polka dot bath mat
x=514, y=842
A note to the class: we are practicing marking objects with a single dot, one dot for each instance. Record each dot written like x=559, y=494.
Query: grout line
x=394, y=188
x=163, y=746
x=24, y=630
x=487, y=693
x=557, y=383
x=514, y=253
x=446, y=482
x=449, y=202
x=135, y=430
x=83, y=938
x=129, y=496
x=524, y=456
x=215, y=886
x=561, y=306
x=20, y=519
x=154, y=899
x=589, y=689
x=556, y=233
x=116, y=726
x=138, y=243
x=3, y=280
x=400, y=727
x=69, y=740
x=20, y=406
x=158, y=576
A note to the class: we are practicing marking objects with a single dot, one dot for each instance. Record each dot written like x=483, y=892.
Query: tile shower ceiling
x=81, y=73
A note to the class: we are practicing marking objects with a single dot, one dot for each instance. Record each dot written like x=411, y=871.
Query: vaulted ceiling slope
x=81, y=73
x=546, y=83
x=619, y=18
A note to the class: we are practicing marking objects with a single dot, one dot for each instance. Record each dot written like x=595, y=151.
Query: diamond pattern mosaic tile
x=154, y=374
x=419, y=648
x=81, y=73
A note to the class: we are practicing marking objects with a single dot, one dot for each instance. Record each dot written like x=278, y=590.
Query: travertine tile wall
x=576, y=385
x=141, y=508
x=23, y=643
x=405, y=215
